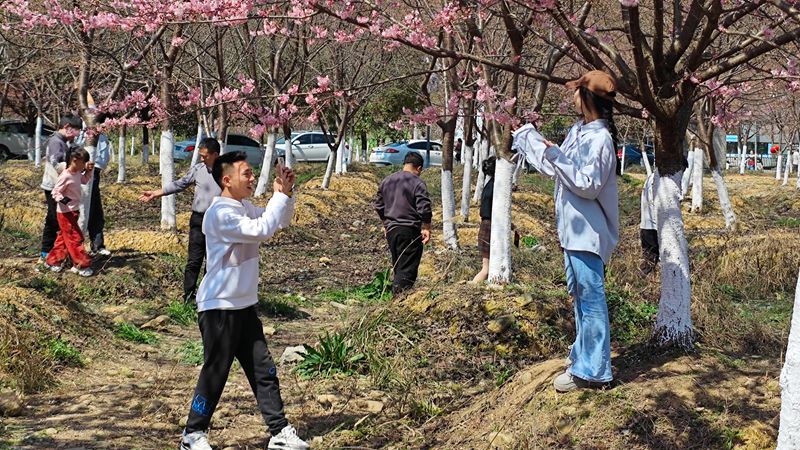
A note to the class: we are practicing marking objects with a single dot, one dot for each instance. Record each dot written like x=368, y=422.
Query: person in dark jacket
x=404, y=207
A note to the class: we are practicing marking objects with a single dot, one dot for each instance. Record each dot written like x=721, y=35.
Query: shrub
x=182, y=313
x=132, y=333
x=334, y=355
x=64, y=353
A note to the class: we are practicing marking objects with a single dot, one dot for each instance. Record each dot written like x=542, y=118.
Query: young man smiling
x=227, y=298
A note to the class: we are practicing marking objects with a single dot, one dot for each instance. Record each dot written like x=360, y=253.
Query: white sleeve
x=232, y=227
x=584, y=181
x=528, y=141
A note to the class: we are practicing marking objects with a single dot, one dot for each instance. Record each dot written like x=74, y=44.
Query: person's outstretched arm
x=584, y=180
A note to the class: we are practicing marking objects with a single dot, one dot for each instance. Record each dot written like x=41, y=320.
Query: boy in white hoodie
x=227, y=298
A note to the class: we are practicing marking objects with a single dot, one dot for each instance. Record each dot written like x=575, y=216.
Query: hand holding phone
x=65, y=200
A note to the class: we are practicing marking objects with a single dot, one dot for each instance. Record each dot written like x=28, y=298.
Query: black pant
x=229, y=334
x=194, y=260
x=649, y=249
x=405, y=243
x=50, y=229
x=97, y=220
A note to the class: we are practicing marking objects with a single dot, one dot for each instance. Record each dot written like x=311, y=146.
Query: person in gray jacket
x=585, y=169
x=205, y=189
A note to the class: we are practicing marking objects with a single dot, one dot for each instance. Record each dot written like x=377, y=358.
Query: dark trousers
x=649, y=249
x=194, y=260
x=229, y=334
x=97, y=220
x=50, y=223
x=405, y=244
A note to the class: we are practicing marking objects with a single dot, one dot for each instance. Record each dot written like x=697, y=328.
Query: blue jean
x=591, y=352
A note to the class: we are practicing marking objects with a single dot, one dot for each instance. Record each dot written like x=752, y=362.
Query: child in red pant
x=67, y=194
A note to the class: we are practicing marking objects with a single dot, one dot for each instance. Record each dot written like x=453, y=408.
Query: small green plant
x=792, y=222
x=132, y=333
x=378, y=289
x=334, y=355
x=629, y=320
x=182, y=313
x=43, y=284
x=64, y=353
x=191, y=352
x=423, y=410
x=529, y=241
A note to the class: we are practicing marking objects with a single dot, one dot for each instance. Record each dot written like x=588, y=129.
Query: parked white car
x=307, y=146
x=236, y=143
x=14, y=139
x=395, y=153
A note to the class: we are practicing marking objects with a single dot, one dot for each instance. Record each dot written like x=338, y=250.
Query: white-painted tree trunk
x=145, y=154
x=742, y=159
x=29, y=152
x=288, y=156
x=37, y=143
x=622, y=162
x=326, y=180
x=481, y=178
x=687, y=175
x=121, y=157
x=466, y=183
x=787, y=170
x=449, y=234
x=797, y=184
x=266, y=165
x=778, y=168
x=196, y=152
x=789, y=431
x=133, y=143
x=674, y=319
x=500, y=246
x=167, y=163
x=86, y=194
x=720, y=154
x=646, y=163
x=697, y=181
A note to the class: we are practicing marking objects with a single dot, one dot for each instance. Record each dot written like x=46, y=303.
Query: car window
x=4, y=128
x=435, y=147
x=234, y=139
x=305, y=139
x=318, y=139
x=417, y=146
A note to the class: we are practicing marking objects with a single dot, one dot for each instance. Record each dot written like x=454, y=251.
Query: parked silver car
x=307, y=146
x=14, y=138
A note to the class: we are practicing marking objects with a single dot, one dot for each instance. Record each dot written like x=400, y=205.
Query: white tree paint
x=797, y=185
x=674, y=318
x=266, y=165
x=196, y=152
x=287, y=153
x=167, y=163
x=743, y=158
x=646, y=162
x=133, y=143
x=500, y=247
x=37, y=143
x=121, y=156
x=789, y=431
x=449, y=234
x=687, y=175
x=720, y=150
x=788, y=169
x=778, y=168
x=326, y=180
x=622, y=162
x=481, y=179
x=697, y=181
x=466, y=182
x=339, y=158
x=86, y=194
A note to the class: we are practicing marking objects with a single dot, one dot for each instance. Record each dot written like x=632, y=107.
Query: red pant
x=69, y=242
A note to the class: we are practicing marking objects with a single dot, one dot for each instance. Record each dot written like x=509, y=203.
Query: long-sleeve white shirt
x=648, y=212
x=233, y=233
x=586, y=198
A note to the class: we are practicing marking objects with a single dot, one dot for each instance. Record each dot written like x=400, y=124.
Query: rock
x=158, y=322
x=500, y=324
x=269, y=330
x=119, y=319
x=292, y=354
x=500, y=439
x=316, y=442
x=50, y=432
x=338, y=305
x=324, y=261
x=371, y=406
x=11, y=404
x=328, y=400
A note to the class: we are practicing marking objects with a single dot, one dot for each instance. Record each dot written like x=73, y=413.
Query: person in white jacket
x=227, y=298
x=585, y=169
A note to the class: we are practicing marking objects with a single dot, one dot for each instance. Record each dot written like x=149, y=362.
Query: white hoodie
x=233, y=232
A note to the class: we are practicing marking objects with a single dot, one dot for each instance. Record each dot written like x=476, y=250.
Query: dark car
x=634, y=156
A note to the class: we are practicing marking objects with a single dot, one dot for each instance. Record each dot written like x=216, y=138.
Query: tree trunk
x=697, y=182
x=645, y=161
x=778, y=168
x=340, y=158
x=364, y=147
x=86, y=193
x=37, y=142
x=789, y=431
x=266, y=166
x=326, y=180
x=743, y=159
x=481, y=179
x=167, y=164
x=121, y=156
x=719, y=147
x=500, y=247
x=787, y=170
x=196, y=152
x=466, y=182
x=674, y=319
x=449, y=234
x=288, y=156
x=133, y=143
x=687, y=175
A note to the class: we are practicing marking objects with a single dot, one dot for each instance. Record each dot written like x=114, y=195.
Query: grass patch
x=630, y=321
x=182, y=313
x=334, y=355
x=529, y=241
x=132, y=333
x=791, y=222
x=46, y=285
x=191, y=352
x=64, y=353
x=377, y=290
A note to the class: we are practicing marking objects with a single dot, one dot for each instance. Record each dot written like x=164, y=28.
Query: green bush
x=629, y=321
x=379, y=289
x=132, y=333
x=333, y=356
x=64, y=353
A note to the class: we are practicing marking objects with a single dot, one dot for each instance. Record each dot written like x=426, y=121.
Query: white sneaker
x=103, y=252
x=87, y=272
x=56, y=269
x=195, y=441
x=287, y=439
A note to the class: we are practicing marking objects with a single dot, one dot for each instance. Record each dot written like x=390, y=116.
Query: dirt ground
x=464, y=384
